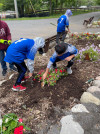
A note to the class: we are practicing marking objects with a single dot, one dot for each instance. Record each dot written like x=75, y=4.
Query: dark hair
x=61, y=48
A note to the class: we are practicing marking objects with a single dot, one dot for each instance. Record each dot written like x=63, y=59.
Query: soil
x=36, y=106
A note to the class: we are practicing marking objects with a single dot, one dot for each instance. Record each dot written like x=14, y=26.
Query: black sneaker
x=4, y=72
x=13, y=69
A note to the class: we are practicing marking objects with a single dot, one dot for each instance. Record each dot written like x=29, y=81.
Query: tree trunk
x=50, y=7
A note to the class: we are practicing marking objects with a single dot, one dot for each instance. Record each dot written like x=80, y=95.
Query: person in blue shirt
x=63, y=22
x=63, y=51
x=19, y=51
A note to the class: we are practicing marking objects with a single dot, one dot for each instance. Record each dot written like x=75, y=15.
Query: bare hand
x=68, y=58
x=30, y=75
x=44, y=76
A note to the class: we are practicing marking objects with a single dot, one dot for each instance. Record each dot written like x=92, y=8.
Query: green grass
x=48, y=17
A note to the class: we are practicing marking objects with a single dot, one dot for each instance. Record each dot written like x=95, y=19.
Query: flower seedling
x=52, y=77
x=12, y=125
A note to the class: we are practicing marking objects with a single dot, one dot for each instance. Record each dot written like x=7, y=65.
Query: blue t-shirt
x=20, y=50
x=63, y=21
x=71, y=50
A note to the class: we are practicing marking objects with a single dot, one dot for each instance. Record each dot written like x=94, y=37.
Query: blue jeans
x=22, y=68
x=3, y=63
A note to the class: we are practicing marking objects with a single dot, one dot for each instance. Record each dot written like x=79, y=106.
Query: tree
x=98, y=2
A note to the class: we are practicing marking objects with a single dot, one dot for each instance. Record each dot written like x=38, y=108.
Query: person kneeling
x=63, y=51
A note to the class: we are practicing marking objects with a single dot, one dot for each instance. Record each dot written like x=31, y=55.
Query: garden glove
x=9, y=42
x=5, y=42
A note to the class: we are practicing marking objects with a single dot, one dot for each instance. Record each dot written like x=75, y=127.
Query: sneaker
x=25, y=79
x=13, y=69
x=69, y=70
x=4, y=72
x=18, y=88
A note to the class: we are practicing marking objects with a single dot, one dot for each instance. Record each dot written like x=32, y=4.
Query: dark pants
x=59, y=34
x=21, y=70
x=3, y=63
x=70, y=63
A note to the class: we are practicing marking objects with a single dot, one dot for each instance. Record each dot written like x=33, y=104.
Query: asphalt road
x=43, y=28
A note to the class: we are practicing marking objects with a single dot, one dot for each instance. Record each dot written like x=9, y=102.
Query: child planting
x=63, y=51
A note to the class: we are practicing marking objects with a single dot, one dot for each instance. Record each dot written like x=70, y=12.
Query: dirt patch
x=36, y=105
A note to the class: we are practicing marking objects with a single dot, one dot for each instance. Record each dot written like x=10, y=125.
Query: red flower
x=34, y=79
x=64, y=70
x=60, y=70
x=47, y=78
x=18, y=130
x=39, y=73
x=72, y=34
x=20, y=120
x=40, y=78
x=56, y=70
x=49, y=72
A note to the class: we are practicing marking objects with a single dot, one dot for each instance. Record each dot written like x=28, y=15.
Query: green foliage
x=29, y=6
x=98, y=2
x=91, y=53
x=10, y=122
x=52, y=77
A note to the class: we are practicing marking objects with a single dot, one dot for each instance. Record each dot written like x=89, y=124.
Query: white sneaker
x=69, y=70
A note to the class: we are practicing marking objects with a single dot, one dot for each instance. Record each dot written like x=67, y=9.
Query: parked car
x=83, y=7
x=8, y=14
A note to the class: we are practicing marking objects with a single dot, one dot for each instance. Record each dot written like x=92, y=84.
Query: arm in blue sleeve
x=72, y=49
x=52, y=60
x=30, y=65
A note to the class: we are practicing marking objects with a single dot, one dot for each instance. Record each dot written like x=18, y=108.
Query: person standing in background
x=5, y=41
x=62, y=23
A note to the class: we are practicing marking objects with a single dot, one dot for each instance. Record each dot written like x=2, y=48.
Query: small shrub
x=92, y=51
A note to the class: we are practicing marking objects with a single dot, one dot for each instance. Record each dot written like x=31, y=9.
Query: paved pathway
x=43, y=28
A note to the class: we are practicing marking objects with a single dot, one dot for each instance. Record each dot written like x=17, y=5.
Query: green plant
x=12, y=125
x=52, y=77
x=92, y=51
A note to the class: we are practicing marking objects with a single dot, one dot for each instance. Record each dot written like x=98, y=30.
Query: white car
x=83, y=7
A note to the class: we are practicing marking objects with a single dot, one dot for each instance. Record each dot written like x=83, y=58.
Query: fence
x=40, y=13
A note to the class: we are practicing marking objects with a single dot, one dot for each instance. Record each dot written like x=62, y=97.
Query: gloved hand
x=9, y=42
x=5, y=42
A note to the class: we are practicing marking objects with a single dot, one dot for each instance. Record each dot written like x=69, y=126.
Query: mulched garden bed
x=36, y=105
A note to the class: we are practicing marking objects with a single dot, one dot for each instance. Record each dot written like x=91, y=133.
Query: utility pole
x=16, y=9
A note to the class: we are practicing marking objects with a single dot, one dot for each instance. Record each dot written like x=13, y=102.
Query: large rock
x=93, y=89
x=92, y=108
x=98, y=77
x=96, y=83
x=90, y=122
x=79, y=108
x=55, y=129
x=89, y=98
x=69, y=126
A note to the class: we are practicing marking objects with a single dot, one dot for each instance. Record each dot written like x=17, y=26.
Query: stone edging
x=85, y=117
